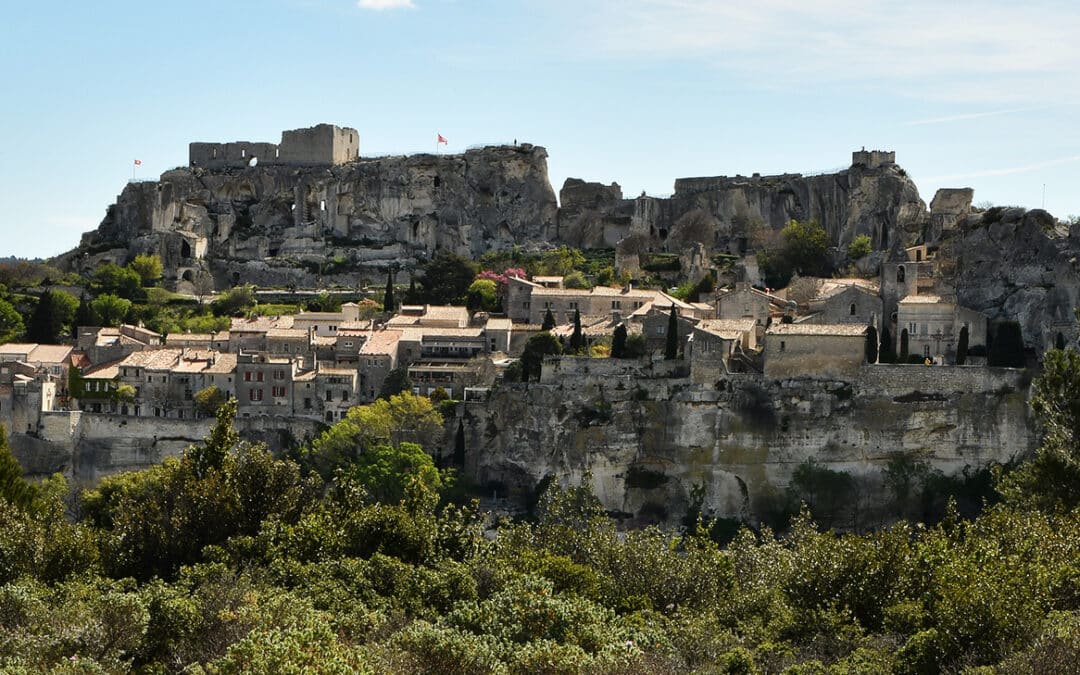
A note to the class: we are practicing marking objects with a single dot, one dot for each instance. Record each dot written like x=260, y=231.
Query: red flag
x=442, y=140
x=138, y=162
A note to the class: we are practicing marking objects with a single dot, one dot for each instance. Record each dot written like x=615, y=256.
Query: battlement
x=873, y=159
x=320, y=145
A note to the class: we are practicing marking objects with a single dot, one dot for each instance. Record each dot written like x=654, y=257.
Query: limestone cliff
x=280, y=225
x=649, y=433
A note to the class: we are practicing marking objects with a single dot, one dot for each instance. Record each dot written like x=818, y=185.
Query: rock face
x=1019, y=265
x=650, y=436
x=280, y=225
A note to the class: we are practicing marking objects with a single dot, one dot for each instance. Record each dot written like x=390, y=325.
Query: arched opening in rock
x=188, y=276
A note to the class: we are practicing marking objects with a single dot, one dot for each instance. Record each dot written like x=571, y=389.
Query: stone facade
x=814, y=350
x=323, y=144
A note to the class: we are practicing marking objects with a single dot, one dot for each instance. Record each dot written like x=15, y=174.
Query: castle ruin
x=320, y=145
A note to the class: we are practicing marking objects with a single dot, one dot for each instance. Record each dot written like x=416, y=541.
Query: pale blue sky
x=979, y=94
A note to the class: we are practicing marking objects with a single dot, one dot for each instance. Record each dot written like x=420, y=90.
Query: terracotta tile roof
x=50, y=353
x=224, y=363
x=382, y=342
x=921, y=300
x=835, y=329
x=294, y=333
x=718, y=326
x=499, y=324
x=260, y=324
x=187, y=338
x=104, y=371
x=17, y=348
x=323, y=340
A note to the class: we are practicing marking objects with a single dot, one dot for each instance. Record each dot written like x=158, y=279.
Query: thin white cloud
x=965, y=117
x=965, y=51
x=1007, y=171
x=380, y=5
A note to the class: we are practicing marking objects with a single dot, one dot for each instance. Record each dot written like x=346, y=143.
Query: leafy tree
x=859, y=246
x=871, y=345
x=388, y=296
x=11, y=322
x=577, y=338
x=483, y=295
x=111, y=309
x=575, y=280
x=148, y=267
x=52, y=317
x=13, y=487
x=561, y=261
x=549, y=321
x=618, y=342
x=671, y=344
x=962, y=347
x=1007, y=349
x=210, y=399
x=235, y=301
x=803, y=248
x=396, y=382
x=385, y=471
x=85, y=314
x=636, y=346
x=115, y=280
x=446, y=279
x=538, y=346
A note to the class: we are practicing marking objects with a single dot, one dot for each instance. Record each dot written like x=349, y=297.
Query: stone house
x=264, y=384
x=349, y=339
x=528, y=302
x=846, y=303
x=24, y=397
x=51, y=360
x=106, y=343
x=378, y=356
x=249, y=334
x=325, y=324
x=288, y=341
x=933, y=325
x=814, y=350
x=654, y=326
x=743, y=301
x=325, y=393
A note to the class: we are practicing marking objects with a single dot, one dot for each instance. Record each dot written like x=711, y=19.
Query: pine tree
x=388, y=297
x=618, y=342
x=671, y=348
x=577, y=339
x=549, y=321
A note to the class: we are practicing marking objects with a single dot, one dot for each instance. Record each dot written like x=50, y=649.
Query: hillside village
x=319, y=364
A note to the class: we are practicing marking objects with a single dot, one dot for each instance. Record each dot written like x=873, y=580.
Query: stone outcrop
x=1009, y=263
x=280, y=225
x=649, y=435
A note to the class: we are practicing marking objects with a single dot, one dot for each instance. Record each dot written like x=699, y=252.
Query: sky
x=640, y=92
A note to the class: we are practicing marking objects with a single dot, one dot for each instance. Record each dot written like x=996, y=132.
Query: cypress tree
x=84, y=315
x=618, y=342
x=388, y=297
x=577, y=340
x=459, y=445
x=871, y=345
x=1008, y=347
x=903, y=346
x=549, y=321
x=886, y=354
x=45, y=322
x=962, y=347
x=671, y=347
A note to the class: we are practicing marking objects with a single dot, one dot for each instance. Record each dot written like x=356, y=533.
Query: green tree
x=235, y=301
x=483, y=295
x=860, y=246
x=388, y=296
x=446, y=279
x=52, y=317
x=111, y=309
x=549, y=321
x=11, y=322
x=575, y=280
x=671, y=344
x=210, y=399
x=618, y=342
x=636, y=346
x=148, y=267
x=115, y=280
x=577, y=338
x=85, y=314
x=385, y=471
x=459, y=445
x=532, y=358
x=871, y=345
x=903, y=346
x=561, y=261
x=886, y=354
x=803, y=248
x=396, y=382
x=13, y=487
x=1007, y=349
x=962, y=347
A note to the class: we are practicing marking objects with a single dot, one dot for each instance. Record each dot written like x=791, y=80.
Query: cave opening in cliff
x=438, y=181
x=185, y=249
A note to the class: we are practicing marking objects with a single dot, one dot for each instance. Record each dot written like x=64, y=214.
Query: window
x=899, y=273
x=344, y=395
x=783, y=345
x=247, y=376
x=348, y=343
x=259, y=376
x=851, y=310
x=255, y=395
x=912, y=327
x=926, y=351
x=307, y=404
x=329, y=396
x=279, y=374
x=279, y=392
x=616, y=304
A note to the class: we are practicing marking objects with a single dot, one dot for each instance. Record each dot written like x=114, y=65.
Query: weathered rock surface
x=740, y=438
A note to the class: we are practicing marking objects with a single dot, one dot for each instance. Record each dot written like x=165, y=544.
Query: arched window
x=899, y=273
x=851, y=310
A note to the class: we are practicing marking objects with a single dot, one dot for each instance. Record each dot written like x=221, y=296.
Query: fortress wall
x=898, y=380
